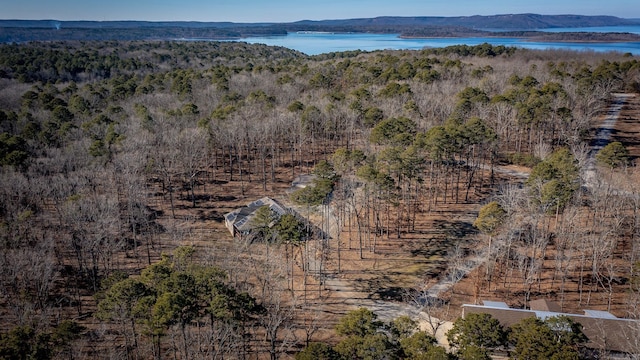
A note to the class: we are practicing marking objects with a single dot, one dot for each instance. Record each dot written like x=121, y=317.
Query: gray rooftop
x=241, y=218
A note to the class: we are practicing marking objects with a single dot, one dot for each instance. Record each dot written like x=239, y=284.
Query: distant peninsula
x=508, y=25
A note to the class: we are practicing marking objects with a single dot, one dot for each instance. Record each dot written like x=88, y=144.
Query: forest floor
x=390, y=275
x=385, y=281
x=626, y=108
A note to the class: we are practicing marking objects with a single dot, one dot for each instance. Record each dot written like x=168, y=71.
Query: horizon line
x=301, y=20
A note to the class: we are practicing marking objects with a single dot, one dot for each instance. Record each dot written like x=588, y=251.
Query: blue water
x=319, y=43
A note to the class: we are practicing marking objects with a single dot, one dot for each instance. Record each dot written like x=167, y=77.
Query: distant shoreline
x=517, y=26
x=586, y=37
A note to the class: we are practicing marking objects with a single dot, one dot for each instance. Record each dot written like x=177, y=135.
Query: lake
x=314, y=43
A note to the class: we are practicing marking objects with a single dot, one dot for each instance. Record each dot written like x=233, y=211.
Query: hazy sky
x=293, y=10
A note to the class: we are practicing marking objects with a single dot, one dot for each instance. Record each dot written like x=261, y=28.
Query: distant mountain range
x=508, y=21
x=423, y=26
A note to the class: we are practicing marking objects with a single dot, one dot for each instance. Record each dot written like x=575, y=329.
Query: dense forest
x=118, y=160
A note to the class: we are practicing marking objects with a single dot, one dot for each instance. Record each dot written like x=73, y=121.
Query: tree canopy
x=479, y=330
x=554, y=338
x=613, y=155
x=490, y=217
x=554, y=180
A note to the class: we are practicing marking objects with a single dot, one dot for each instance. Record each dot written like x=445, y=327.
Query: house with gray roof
x=605, y=331
x=239, y=222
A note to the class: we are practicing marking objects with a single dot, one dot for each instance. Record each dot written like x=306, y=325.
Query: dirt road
x=603, y=137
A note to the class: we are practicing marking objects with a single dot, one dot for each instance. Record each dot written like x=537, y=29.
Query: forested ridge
x=415, y=26
x=118, y=160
